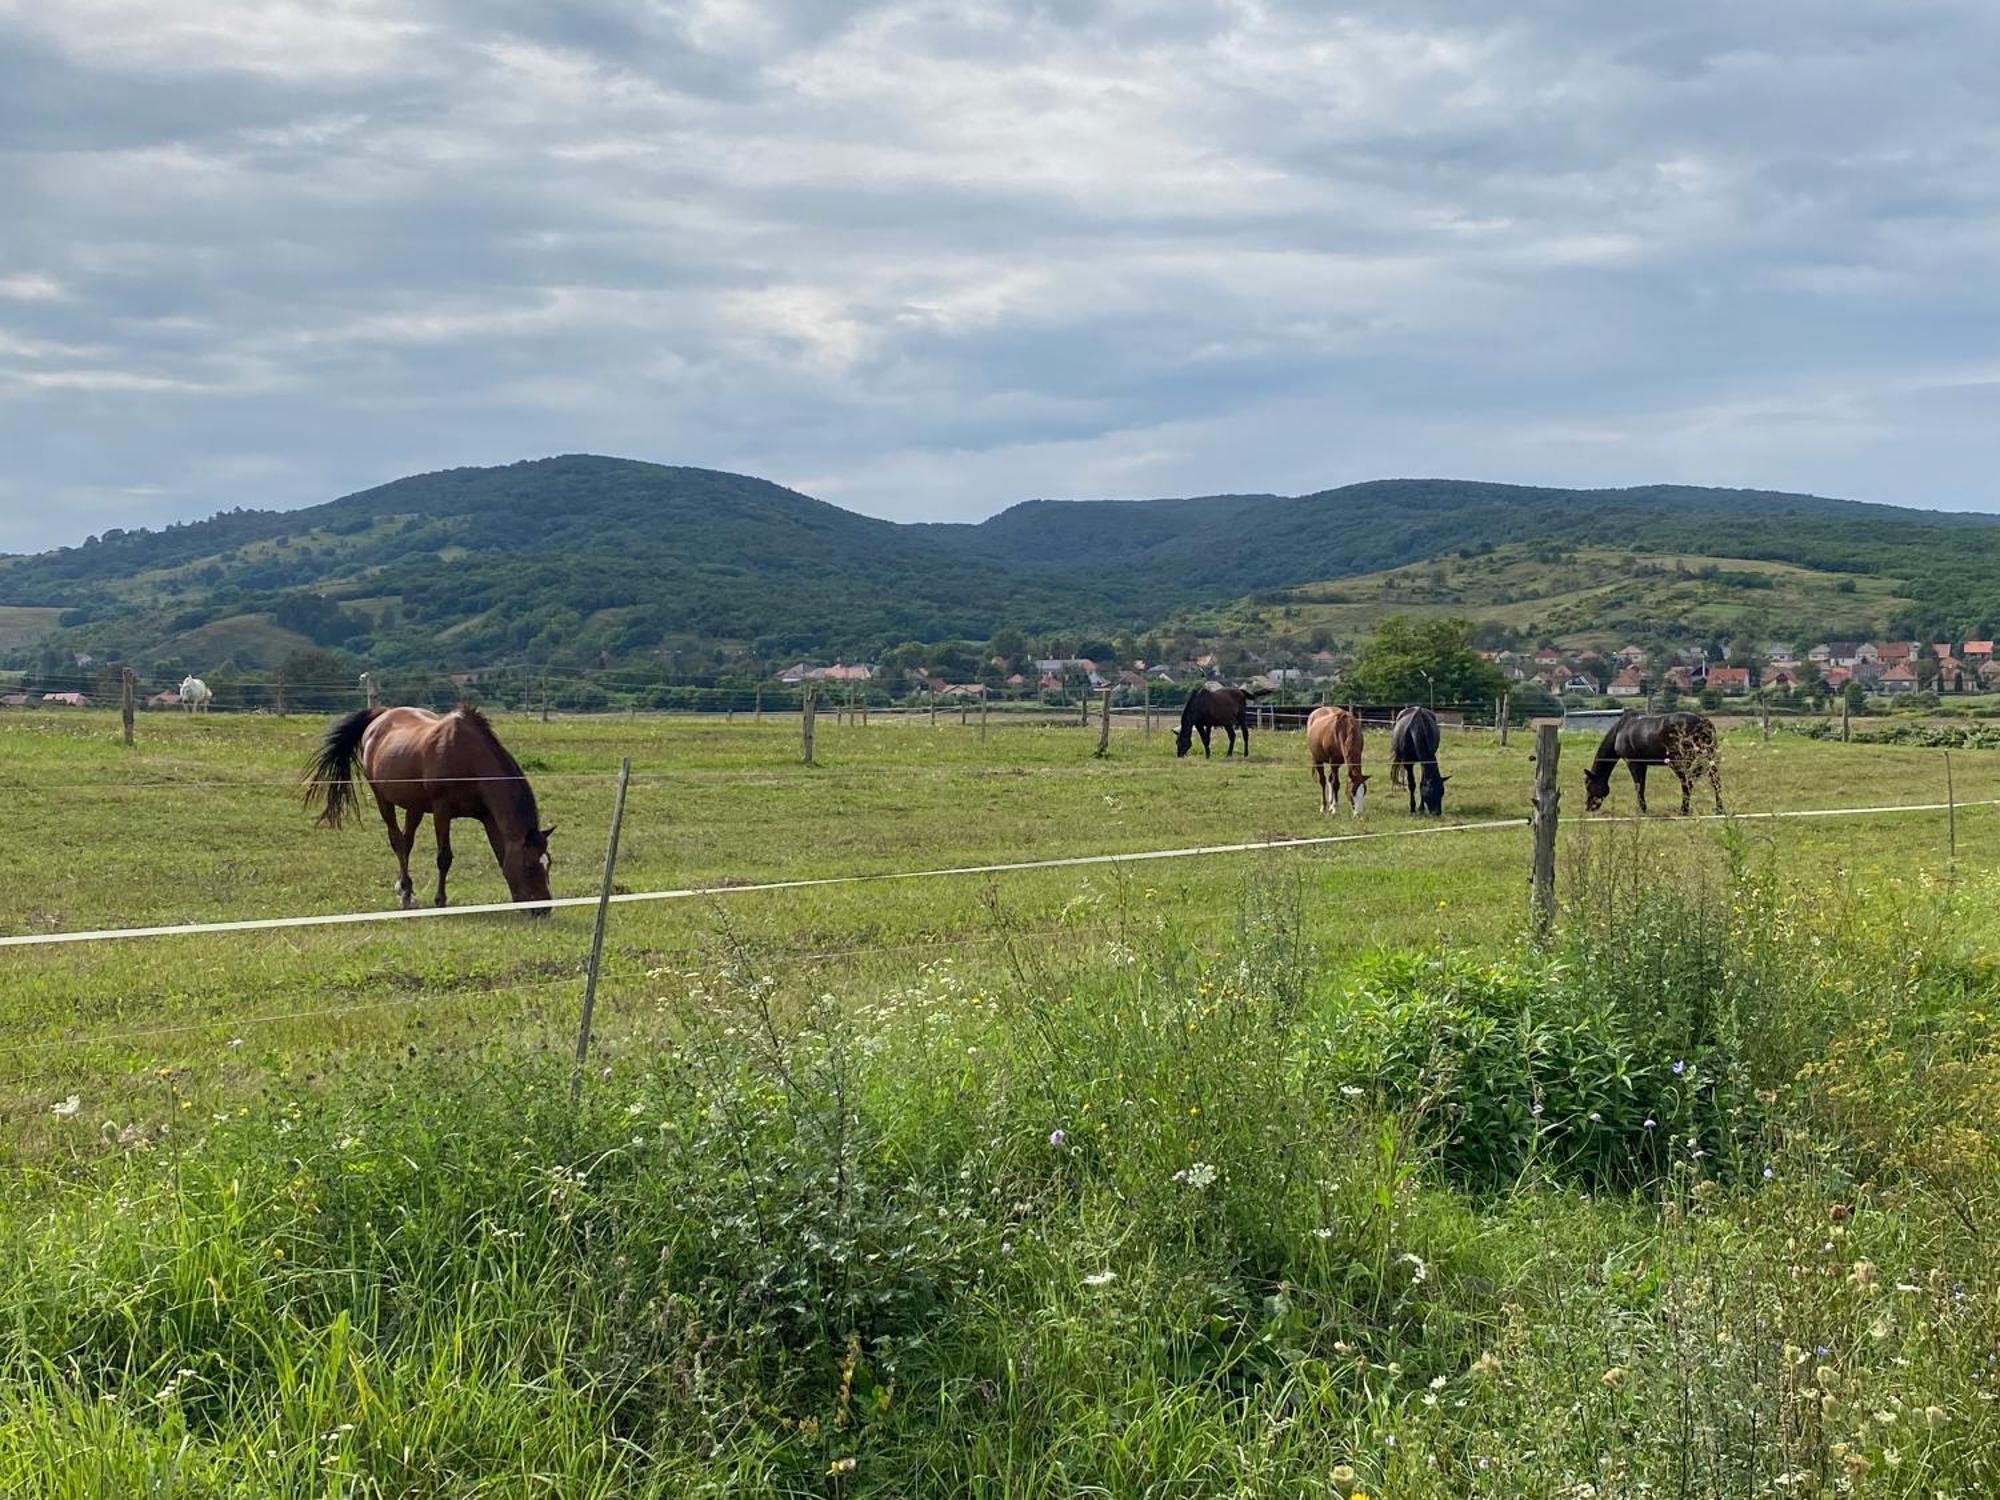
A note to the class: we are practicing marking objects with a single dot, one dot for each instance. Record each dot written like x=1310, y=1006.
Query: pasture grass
x=1298, y=1173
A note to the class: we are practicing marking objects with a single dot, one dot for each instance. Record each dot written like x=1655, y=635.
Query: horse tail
x=1399, y=773
x=330, y=776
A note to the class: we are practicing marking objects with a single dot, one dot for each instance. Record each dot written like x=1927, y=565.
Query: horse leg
x=1638, y=770
x=1687, y=786
x=402, y=840
x=1206, y=752
x=1715, y=780
x=441, y=825
x=1325, y=800
x=1230, y=730
x=1246, y=738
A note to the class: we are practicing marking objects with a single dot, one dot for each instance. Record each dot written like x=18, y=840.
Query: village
x=1776, y=671
x=1544, y=677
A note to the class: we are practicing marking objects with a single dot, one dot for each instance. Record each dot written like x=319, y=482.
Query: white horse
x=194, y=695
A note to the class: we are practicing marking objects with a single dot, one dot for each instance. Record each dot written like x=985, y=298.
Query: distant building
x=67, y=700
x=1899, y=679
x=1733, y=681
x=1627, y=684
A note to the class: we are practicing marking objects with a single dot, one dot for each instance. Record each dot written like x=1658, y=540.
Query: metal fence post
x=1548, y=797
x=1950, y=811
x=597, y=935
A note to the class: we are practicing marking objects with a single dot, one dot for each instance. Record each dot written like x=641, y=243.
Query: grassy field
x=1293, y=1172
x=1586, y=596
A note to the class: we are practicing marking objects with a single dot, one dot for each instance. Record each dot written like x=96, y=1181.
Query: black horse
x=1683, y=742
x=1213, y=706
x=1413, y=743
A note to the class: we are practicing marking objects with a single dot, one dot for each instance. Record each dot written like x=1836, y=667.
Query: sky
x=926, y=259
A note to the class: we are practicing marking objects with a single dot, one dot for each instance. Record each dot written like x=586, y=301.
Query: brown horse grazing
x=1213, y=706
x=1683, y=742
x=448, y=765
x=1333, y=735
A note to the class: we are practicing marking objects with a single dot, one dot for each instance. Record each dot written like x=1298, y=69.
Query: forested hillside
x=595, y=560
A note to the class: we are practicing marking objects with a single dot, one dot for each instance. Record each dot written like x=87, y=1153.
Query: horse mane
x=516, y=788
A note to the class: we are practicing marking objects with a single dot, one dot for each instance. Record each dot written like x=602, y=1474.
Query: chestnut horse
x=1333, y=735
x=448, y=765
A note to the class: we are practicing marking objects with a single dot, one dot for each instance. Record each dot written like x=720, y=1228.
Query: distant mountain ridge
x=599, y=559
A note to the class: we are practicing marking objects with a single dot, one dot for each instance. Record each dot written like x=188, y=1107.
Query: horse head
x=526, y=866
x=1596, y=788
x=1183, y=740
x=1430, y=795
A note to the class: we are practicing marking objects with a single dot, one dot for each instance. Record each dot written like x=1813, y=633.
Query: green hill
x=590, y=561
x=1581, y=597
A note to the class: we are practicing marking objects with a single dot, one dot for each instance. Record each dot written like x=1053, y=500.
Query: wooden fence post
x=597, y=935
x=1149, y=710
x=1505, y=705
x=964, y=711
x=1104, y=726
x=1846, y=703
x=281, y=694
x=126, y=687
x=545, y=697
x=806, y=710
x=983, y=701
x=1542, y=817
x=1764, y=711
x=757, y=707
x=370, y=690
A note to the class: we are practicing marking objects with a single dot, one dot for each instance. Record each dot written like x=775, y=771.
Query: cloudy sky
x=926, y=259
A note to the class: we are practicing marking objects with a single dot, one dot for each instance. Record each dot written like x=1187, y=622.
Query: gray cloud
x=925, y=260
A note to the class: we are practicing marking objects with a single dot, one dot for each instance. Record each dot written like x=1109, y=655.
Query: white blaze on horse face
x=1360, y=796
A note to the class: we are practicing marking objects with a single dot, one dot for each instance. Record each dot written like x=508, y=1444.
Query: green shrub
x=1532, y=1062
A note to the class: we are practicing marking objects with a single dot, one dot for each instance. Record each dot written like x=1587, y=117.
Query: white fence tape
x=1062, y=862
x=421, y=913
